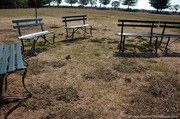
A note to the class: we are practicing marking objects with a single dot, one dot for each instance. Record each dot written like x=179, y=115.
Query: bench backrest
x=150, y=24
x=138, y=23
x=28, y=22
x=167, y=24
x=11, y=58
x=67, y=19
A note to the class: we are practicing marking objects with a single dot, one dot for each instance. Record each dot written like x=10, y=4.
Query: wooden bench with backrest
x=151, y=27
x=34, y=31
x=79, y=22
x=11, y=60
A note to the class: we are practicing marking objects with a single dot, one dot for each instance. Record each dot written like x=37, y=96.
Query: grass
x=82, y=79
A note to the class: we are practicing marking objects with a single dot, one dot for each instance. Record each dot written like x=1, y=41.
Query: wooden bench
x=33, y=24
x=11, y=60
x=81, y=19
x=151, y=27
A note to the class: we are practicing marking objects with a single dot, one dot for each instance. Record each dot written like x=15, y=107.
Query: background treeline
x=21, y=3
x=159, y=5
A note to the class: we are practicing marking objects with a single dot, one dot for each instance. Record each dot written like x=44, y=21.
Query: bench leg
x=73, y=34
x=54, y=39
x=67, y=33
x=33, y=49
x=16, y=97
x=150, y=42
x=91, y=30
x=123, y=45
x=166, y=49
x=156, y=45
x=120, y=44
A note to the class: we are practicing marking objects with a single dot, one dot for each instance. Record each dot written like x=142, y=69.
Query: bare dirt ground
x=95, y=82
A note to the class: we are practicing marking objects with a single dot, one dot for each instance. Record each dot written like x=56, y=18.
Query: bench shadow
x=136, y=55
x=145, y=55
x=70, y=40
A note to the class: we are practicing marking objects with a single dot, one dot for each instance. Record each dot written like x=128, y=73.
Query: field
x=95, y=82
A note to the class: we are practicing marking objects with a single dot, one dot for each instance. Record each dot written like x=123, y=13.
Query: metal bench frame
x=32, y=22
x=83, y=26
x=147, y=24
x=11, y=60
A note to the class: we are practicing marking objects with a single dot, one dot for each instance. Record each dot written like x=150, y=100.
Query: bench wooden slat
x=168, y=26
x=26, y=20
x=28, y=25
x=138, y=21
x=11, y=67
x=35, y=35
x=136, y=25
x=20, y=63
x=4, y=64
x=74, y=16
x=68, y=20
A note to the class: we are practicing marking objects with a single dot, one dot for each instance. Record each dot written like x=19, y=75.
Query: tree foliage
x=159, y=4
x=84, y=2
x=58, y=2
x=71, y=1
x=174, y=8
x=105, y=2
x=92, y=2
x=115, y=4
x=130, y=2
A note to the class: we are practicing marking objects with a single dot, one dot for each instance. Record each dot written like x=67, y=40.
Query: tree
x=105, y=2
x=174, y=8
x=92, y=2
x=159, y=4
x=115, y=4
x=58, y=2
x=130, y=2
x=71, y=1
x=84, y=2
x=48, y=2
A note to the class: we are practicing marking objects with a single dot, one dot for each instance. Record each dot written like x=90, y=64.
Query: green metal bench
x=11, y=60
x=32, y=23
x=151, y=26
x=81, y=19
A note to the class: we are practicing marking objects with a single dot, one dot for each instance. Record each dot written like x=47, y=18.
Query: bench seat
x=11, y=60
x=35, y=35
x=138, y=34
x=78, y=26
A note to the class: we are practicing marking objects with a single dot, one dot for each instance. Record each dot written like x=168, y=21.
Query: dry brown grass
x=94, y=82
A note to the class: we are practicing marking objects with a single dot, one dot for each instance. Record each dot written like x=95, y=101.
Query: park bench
x=36, y=29
x=79, y=22
x=11, y=60
x=151, y=26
